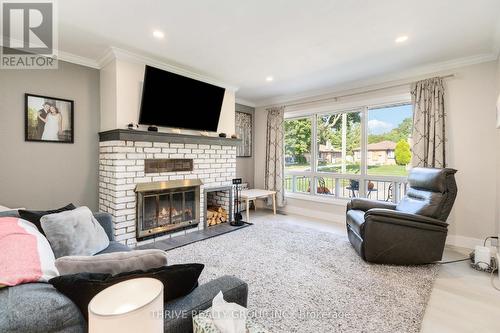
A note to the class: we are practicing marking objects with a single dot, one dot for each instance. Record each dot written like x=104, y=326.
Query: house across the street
x=380, y=153
x=328, y=154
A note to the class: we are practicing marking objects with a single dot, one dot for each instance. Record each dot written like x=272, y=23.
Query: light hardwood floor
x=462, y=299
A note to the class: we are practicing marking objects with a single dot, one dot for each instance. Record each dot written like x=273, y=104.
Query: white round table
x=130, y=306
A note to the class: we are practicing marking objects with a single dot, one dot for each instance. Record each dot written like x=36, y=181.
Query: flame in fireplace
x=166, y=212
x=163, y=212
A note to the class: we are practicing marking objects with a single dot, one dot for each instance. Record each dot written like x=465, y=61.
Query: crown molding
x=125, y=55
x=383, y=80
x=358, y=85
x=245, y=102
x=67, y=57
x=76, y=59
x=121, y=54
x=106, y=58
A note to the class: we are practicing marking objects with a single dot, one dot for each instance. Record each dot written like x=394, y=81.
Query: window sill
x=317, y=198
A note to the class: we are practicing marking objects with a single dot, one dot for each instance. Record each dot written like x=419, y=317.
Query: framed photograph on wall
x=48, y=119
x=244, y=132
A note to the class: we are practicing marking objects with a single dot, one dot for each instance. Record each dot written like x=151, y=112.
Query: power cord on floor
x=491, y=267
x=452, y=261
x=492, y=275
x=469, y=257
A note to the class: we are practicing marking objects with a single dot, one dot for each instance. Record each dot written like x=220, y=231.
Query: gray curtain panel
x=275, y=167
x=429, y=135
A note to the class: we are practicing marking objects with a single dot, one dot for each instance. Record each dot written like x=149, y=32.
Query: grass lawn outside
x=388, y=170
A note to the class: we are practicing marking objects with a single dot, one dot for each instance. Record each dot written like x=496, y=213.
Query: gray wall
x=49, y=175
x=245, y=165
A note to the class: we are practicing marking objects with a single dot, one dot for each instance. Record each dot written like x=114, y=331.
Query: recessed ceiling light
x=401, y=39
x=269, y=78
x=158, y=34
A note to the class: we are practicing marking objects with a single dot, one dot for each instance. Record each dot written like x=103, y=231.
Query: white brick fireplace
x=122, y=166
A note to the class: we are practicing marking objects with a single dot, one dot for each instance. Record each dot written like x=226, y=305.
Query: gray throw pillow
x=74, y=233
x=9, y=213
x=112, y=263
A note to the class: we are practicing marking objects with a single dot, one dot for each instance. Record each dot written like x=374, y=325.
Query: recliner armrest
x=394, y=237
x=402, y=218
x=366, y=204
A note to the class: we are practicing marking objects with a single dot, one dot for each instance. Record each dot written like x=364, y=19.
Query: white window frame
x=362, y=106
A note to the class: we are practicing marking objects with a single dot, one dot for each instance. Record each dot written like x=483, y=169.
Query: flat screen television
x=173, y=100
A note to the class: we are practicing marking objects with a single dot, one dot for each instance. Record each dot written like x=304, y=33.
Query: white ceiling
x=304, y=44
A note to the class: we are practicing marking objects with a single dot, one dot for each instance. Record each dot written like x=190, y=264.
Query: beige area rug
x=305, y=280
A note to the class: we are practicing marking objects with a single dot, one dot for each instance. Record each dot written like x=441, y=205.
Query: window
x=298, y=144
x=389, y=134
x=338, y=139
x=361, y=152
x=298, y=134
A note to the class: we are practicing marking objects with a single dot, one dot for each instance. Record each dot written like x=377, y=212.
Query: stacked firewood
x=216, y=215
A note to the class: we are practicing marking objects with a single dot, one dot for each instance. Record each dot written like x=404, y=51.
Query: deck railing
x=344, y=186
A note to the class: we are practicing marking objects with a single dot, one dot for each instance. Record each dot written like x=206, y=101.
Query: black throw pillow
x=178, y=280
x=34, y=216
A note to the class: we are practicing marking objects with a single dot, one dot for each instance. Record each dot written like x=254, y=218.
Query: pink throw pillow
x=25, y=254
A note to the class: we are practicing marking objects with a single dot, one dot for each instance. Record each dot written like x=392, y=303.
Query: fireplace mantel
x=144, y=136
x=159, y=186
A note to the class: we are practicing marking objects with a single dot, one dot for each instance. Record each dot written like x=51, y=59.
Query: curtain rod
x=335, y=98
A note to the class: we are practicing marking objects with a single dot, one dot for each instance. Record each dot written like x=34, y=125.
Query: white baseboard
x=314, y=213
x=322, y=215
x=462, y=241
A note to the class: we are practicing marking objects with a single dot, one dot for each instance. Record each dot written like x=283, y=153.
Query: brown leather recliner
x=411, y=232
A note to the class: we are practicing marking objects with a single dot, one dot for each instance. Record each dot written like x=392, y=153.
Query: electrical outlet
x=495, y=248
x=494, y=242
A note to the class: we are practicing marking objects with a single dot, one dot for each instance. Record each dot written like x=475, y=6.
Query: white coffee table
x=254, y=194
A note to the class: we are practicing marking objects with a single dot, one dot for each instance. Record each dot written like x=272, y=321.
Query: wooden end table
x=254, y=194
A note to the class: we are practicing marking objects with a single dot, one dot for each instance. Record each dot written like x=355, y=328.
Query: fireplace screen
x=166, y=207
